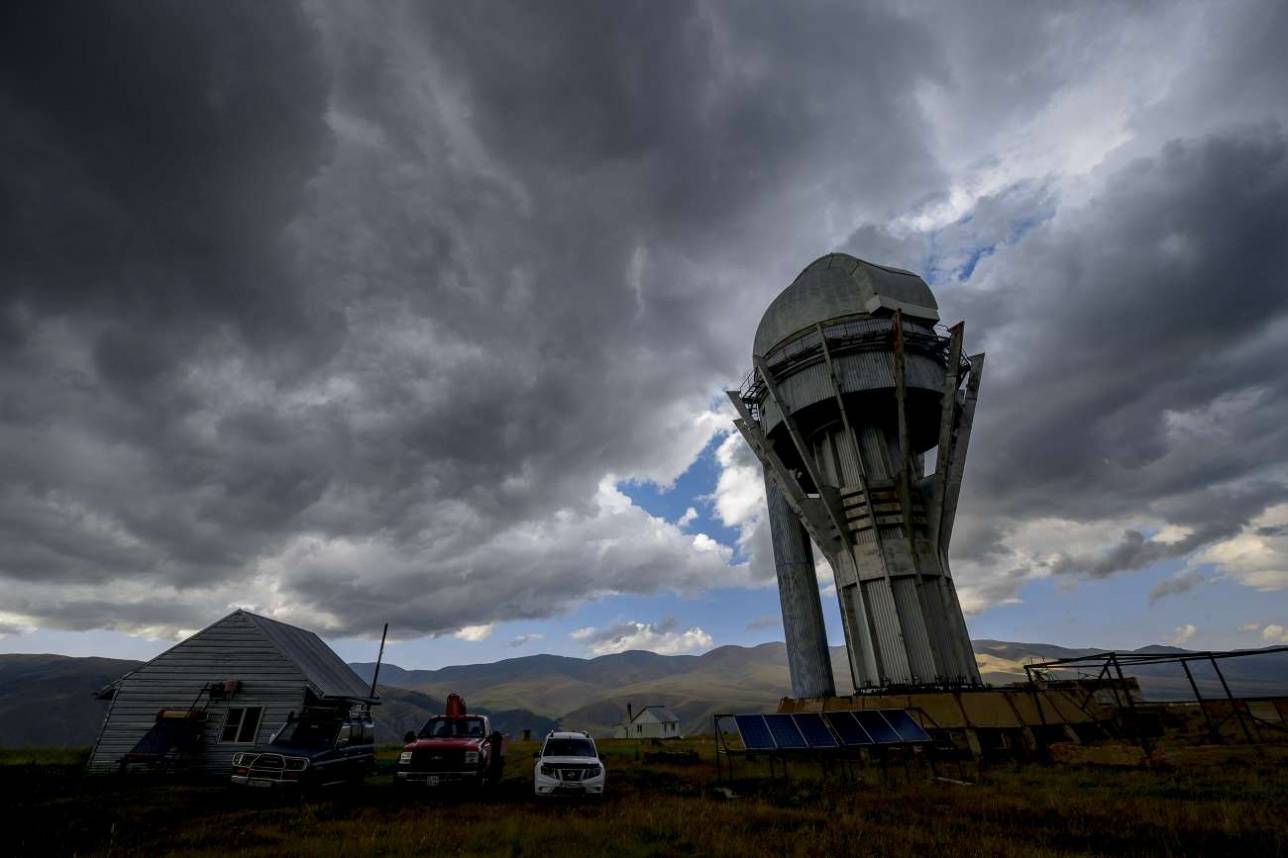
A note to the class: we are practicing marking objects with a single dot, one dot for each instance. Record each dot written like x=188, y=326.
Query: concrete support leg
x=808, y=658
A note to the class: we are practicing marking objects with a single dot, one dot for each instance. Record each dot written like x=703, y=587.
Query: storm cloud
x=356, y=314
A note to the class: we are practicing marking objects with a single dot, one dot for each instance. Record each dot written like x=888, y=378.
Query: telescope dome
x=838, y=285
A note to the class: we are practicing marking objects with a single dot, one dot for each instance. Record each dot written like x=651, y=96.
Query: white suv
x=568, y=764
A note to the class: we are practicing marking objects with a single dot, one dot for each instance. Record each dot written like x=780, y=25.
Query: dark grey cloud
x=622, y=631
x=1134, y=316
x=1139, y=338
x=154, y=154
x=1182, y=583
x=154, y=157
x=353, y=313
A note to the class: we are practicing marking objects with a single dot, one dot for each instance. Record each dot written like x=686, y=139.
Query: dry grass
x=44, y=756
x=1207, y=802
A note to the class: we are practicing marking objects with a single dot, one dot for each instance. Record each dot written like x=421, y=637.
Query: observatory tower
x=860, y=412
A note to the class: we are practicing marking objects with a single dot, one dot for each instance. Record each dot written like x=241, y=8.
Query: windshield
x=308, y=733
x=453, y=728
x=569, y=748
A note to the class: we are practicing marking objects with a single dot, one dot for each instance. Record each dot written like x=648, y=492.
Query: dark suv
x=321, y=747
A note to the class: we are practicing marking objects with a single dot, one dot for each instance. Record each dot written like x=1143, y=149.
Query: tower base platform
x=1016, y=719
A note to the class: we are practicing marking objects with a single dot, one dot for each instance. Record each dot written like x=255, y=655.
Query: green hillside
x=46, y=700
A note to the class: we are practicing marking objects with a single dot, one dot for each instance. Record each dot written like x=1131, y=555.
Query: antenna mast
x=375, y=675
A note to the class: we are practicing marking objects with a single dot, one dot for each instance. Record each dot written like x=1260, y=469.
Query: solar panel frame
x=785, y=732
x=755, y=733
x=906, y=726
x=849, y=730
x=877, y=726
x=815, y=731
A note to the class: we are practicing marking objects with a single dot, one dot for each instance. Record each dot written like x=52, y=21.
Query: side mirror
x=536, y=755
x=409, y=737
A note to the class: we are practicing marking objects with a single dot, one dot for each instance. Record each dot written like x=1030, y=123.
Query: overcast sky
x=420, y=313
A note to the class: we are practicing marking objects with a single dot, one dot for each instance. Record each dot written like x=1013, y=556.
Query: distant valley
x=47, y=699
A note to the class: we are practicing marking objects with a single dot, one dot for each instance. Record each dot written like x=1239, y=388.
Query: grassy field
x=1206, y=801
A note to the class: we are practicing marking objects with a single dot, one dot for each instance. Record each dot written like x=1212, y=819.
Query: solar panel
x=814, y=730
x=878, y=728
x=786, y=736
x=754, y=732
x=852, y=735
x=903, y=724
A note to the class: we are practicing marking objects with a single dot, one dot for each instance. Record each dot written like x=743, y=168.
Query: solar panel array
x=908, y=729
x=829, y=730
x=878, y=727
x=754, y=732
x=787, y=735
x=815, y=731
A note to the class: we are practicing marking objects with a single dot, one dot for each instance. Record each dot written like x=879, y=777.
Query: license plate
x=260, y=782
x=432, y=780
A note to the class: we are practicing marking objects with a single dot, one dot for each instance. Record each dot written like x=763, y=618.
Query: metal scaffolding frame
x=1108, y=667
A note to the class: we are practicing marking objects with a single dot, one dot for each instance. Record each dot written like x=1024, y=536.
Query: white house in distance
x=227, y=687
x=651, y=722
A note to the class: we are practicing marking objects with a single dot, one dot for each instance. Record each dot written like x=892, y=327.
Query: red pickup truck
x=451, y=748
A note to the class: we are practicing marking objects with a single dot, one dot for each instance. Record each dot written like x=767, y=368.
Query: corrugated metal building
x=239, y=677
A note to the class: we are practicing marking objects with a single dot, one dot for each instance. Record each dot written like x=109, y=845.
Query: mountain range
x=47, y=699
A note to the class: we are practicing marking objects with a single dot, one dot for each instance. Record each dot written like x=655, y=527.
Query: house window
x=241, y=724
x=639, y=728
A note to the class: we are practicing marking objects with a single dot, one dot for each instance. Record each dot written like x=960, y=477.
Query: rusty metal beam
x=1207, y=717
x=810, y=510
x=1238, y=712
x=956, y=463
x=830, y=500
x=947, y=421
x=905, y=456
x=850, y=436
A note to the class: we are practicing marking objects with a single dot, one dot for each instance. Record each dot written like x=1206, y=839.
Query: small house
x=652, y=722
x=231, y=685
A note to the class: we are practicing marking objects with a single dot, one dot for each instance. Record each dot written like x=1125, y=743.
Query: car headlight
x=471, y=756
x=548, y=771
x=404, y=758
x=296, y=764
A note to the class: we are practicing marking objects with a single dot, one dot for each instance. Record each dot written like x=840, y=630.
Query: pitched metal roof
x=658, y=712
x=324, y=670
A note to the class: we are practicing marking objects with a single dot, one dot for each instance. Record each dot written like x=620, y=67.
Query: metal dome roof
x=841, y=285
